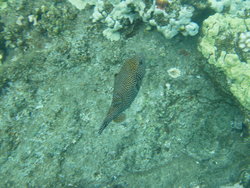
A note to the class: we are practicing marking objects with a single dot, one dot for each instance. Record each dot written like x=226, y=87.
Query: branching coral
x=169, y=17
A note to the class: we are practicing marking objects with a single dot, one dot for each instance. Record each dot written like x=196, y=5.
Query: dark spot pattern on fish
x=126, y=87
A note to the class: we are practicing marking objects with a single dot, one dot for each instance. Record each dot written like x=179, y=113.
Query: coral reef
x=3, y=4
x=244, y=41
x=45, y=19
x=221, y=43
x=233, y=7
x=80, y=4
x=56, y=81
x=170, y=19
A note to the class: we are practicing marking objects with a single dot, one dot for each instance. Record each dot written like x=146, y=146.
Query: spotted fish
x=126, y=86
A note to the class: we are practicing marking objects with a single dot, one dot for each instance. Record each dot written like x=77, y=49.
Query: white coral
x=179, y=20
x=244, y=41
x=234, y=7
x=191, y=29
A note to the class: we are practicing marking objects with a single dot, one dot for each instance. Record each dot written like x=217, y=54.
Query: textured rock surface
x=181, y=131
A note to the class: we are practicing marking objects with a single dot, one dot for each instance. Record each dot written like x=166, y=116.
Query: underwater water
x=184, y=128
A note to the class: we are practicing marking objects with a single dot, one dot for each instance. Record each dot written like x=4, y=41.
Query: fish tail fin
x=112, y=114
x=104, y=125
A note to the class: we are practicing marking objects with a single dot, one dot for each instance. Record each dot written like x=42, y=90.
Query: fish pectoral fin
x=137, y=86
x=120, y=118
x=138, y=83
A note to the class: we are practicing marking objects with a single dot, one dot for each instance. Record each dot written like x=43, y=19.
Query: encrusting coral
x=221, y=51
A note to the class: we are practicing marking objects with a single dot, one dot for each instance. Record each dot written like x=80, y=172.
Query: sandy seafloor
x=56, y=90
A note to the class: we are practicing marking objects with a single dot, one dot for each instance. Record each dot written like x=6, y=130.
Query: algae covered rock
x=220, y=44
x=3, y=4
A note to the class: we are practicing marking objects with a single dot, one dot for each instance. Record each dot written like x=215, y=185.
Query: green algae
x=3, y=4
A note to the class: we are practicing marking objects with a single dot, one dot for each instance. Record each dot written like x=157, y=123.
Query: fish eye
x=141, y=62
